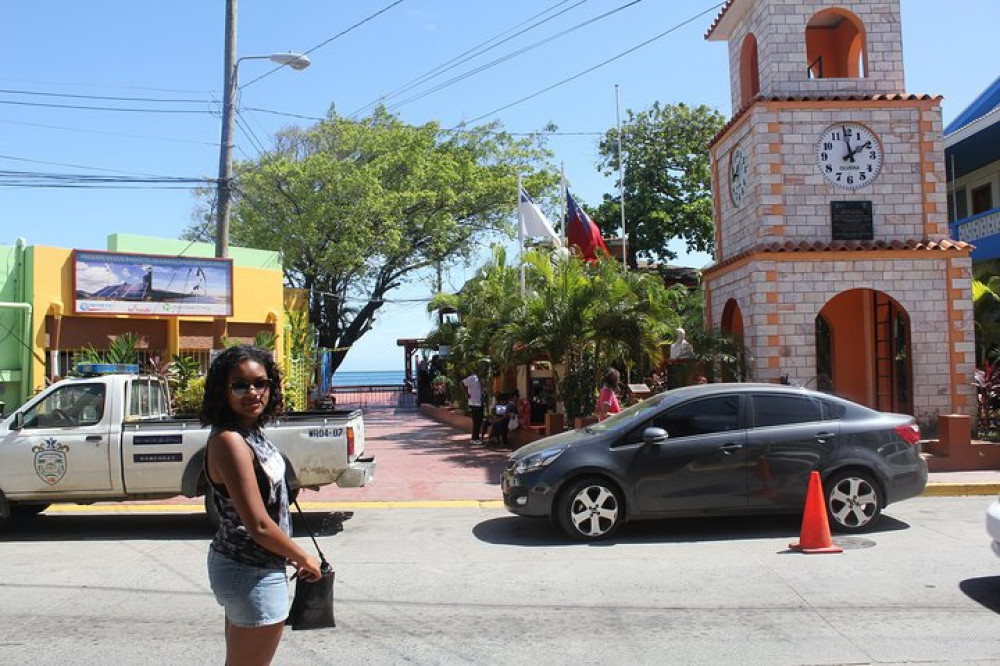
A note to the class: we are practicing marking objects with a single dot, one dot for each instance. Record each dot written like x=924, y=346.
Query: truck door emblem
x=50, y=460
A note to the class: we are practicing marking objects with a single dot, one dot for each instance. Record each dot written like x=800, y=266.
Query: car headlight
x=538, y=460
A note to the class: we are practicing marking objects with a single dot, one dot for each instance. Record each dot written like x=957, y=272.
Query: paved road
x=479, y=586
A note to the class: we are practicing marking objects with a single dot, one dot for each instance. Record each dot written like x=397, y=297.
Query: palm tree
x=986, y=313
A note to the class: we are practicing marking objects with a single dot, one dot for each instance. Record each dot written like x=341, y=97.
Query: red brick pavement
x=420, y=459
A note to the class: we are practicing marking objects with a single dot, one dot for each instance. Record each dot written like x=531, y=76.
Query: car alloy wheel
x=590, y=509
x=853, y=501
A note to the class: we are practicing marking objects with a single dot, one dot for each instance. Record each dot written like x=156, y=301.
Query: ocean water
x=368, y=378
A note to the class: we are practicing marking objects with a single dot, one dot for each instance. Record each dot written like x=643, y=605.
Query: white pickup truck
x=112, y=438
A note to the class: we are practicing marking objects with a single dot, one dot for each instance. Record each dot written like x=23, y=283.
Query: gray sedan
x=719, y=449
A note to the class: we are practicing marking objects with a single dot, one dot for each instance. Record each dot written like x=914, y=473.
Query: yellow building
x=173, y=294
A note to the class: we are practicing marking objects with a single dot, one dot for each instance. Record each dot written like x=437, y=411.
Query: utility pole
x=226, y=144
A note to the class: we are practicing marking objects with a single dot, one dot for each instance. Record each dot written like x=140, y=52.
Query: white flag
x=533, y=221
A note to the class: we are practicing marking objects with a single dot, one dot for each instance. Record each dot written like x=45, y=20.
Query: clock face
x=849, y=156
x=739, y=178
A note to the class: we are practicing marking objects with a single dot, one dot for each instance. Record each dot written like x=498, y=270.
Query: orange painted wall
x=850, y=342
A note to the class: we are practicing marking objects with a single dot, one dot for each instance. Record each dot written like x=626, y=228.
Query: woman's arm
x=231, y=464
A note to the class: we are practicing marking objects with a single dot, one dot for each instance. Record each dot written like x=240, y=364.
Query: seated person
x=498, y=422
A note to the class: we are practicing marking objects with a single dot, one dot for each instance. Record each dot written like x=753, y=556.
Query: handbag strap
x=322, y=558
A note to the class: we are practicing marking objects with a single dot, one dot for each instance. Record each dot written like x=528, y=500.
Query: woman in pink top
x=607, y=401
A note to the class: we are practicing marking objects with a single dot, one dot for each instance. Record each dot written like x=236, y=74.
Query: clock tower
x=832, y=257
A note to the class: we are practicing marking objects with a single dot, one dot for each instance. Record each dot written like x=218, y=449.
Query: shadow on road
x=142, y=527
x=984, y=591
x=533, y=532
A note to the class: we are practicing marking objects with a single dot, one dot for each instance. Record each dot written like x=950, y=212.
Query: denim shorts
x=252, y=596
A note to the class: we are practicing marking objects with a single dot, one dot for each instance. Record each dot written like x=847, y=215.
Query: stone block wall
x=780, y=29
x=790, y=200
x=780, y=296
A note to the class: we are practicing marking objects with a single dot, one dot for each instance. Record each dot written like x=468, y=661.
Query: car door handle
x=94, y=438
x=730, y=448
x=822, y=436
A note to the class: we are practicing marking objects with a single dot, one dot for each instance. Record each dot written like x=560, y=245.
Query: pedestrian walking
x=246, y=473
x=474, y=389
x=607, y=400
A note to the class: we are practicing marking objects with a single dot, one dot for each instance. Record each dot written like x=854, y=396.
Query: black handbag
x=312, y=606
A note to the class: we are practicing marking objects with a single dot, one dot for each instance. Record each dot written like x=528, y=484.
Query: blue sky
x=165, y=52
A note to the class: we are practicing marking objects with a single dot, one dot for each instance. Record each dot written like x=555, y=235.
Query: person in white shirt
x=474, y=389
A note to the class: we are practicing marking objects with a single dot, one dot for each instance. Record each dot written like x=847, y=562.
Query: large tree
x=668, y=185
x=359, y=207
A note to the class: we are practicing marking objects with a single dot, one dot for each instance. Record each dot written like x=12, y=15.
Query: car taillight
x=350, y=442
x=909, y=432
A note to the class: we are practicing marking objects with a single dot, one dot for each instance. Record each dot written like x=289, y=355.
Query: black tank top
x=232, y=539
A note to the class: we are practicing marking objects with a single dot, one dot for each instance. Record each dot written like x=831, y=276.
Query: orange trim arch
x=836, y=45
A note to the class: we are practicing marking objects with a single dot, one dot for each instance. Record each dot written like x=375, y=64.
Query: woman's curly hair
x=214, y=408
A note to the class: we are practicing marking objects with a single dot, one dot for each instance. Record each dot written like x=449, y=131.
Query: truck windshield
x=68, y=406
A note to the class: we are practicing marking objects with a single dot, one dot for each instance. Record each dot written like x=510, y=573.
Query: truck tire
x=26, y=511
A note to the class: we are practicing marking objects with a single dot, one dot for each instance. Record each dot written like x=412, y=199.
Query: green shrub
x=188, y=399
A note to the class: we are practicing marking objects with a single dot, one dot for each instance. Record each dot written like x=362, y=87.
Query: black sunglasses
x=240, y=386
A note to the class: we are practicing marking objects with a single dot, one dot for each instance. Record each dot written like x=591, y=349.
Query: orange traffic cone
x=815, y=534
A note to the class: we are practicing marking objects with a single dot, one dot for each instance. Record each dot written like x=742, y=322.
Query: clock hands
x=866, y=144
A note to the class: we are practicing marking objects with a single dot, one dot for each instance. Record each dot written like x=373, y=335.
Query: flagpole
x=562, y=207
x=621, y=180
x=520, y=233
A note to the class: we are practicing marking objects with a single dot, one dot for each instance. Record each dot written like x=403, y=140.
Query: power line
x=465, y=56
x=105, y=85
x=513, y=54
x=38, y=179
x=104, y=97
x=92, y=131
x=324, y=43
x=74, y=166
x=599, y=65
x=453, y=130
x=99, y=108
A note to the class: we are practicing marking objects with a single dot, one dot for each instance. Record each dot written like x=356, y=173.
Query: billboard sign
x=149, y=284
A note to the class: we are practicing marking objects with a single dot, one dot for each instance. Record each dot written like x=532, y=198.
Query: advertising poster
x=148, y=284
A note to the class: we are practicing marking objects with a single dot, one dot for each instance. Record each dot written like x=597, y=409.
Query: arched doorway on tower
x=863, y=350
x=732, y=324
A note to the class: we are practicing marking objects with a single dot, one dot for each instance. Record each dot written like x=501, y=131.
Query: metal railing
x=384, y=396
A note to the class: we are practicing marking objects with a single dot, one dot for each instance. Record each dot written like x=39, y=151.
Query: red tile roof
x=881, y=97
x=722, y=12
x=802, y=247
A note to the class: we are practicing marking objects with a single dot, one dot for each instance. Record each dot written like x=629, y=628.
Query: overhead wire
x=511, y=55
x=465, y=56
x=595, y=67
x=324, y=43
x=105, y=133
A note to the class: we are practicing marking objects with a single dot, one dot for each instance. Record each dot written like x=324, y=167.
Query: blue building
x=972, y=159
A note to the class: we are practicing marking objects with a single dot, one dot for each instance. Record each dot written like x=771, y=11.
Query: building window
x=982, y=199
x=961, y=204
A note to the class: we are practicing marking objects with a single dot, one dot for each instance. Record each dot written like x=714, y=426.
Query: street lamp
x=296, y=61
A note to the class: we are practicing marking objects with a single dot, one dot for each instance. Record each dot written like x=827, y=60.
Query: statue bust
x=681, y=348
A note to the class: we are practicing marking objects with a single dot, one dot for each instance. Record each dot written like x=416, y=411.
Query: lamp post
x=296, y=61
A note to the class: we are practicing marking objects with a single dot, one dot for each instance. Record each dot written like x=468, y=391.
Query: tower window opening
x=836, y=45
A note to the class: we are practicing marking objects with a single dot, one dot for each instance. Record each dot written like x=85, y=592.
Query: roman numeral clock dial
x=849, y=156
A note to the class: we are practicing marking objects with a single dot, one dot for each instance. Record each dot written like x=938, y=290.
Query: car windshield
x=626, y=416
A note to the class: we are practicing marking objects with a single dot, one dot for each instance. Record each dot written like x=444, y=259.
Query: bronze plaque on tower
x=852, y=220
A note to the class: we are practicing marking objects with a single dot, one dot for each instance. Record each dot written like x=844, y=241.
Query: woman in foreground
x=246, y=473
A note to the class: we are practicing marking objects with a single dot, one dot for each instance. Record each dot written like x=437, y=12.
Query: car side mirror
x=653, y=436
x=18, y=421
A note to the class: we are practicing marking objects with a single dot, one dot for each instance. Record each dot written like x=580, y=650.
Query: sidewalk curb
x=316, y=506
x=946, y=489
